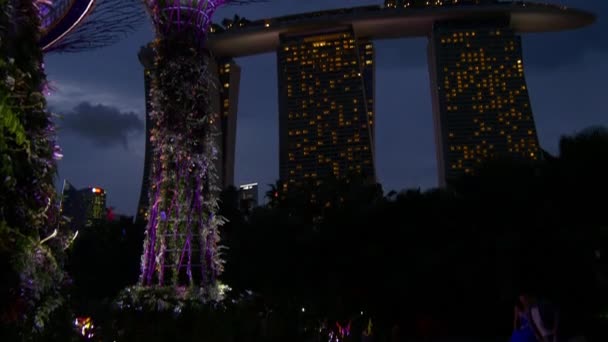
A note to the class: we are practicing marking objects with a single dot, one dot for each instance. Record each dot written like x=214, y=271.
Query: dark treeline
x=435, y=263
x=457, y=257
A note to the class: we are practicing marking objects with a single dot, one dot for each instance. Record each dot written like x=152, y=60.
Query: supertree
x=181, y=248
x=79, y=25
x=31, y=239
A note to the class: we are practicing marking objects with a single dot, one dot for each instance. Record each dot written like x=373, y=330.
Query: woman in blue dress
x=523, y=331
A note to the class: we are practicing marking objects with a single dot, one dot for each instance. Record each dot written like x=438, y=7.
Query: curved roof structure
x=76, y=25
x=380, y=22
x=180, y=16
x=61, y=18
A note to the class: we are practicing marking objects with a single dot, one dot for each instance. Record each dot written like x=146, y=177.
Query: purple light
x=184, y=15
x=57, y=153
x=181, y=258
x=44, y=8
x=182, y=233
x=148, y=262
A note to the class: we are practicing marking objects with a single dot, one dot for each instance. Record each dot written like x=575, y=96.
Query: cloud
x=68, y=93
x=105, y=126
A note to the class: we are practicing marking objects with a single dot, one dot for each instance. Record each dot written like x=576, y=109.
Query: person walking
x=523, y=329
x=545, y=320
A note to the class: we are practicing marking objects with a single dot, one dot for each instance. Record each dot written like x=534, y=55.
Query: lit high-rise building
x=248, y=197
x=326, y=106
x=146, y=58
x=230, y=77
x=84, y=206
x=480, y=98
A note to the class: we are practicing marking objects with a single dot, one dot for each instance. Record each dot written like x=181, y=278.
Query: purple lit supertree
x=191, y=18
x=181, y=248
x=32, y=241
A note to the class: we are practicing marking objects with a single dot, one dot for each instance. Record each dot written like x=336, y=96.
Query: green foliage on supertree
x=181, y=247
x=28, y=202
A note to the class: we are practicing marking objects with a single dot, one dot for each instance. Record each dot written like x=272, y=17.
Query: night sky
x=100, y=96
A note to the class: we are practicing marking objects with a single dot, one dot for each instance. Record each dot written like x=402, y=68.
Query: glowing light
x=184, y=14
x=57, y=154
x=368, y=331
x=303, y=309
x=85, y=326
x=343, y=331
x=248, y=186
x=223, y=289
x=97, y=190
x=49, y=237
x=68, y=246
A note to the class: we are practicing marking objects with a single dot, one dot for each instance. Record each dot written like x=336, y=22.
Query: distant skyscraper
x=84, y=206
x=146, y=58
x=480, y=98
x=230, y=78
x=248, y=197
x=326, y=105
x=226, y=102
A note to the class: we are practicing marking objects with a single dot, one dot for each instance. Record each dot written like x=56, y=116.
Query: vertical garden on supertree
x=32, y=240
x=30, y=249
x=181, y=248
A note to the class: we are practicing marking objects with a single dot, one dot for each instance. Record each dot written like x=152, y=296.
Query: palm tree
x=227, y=23
x=273, y=194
